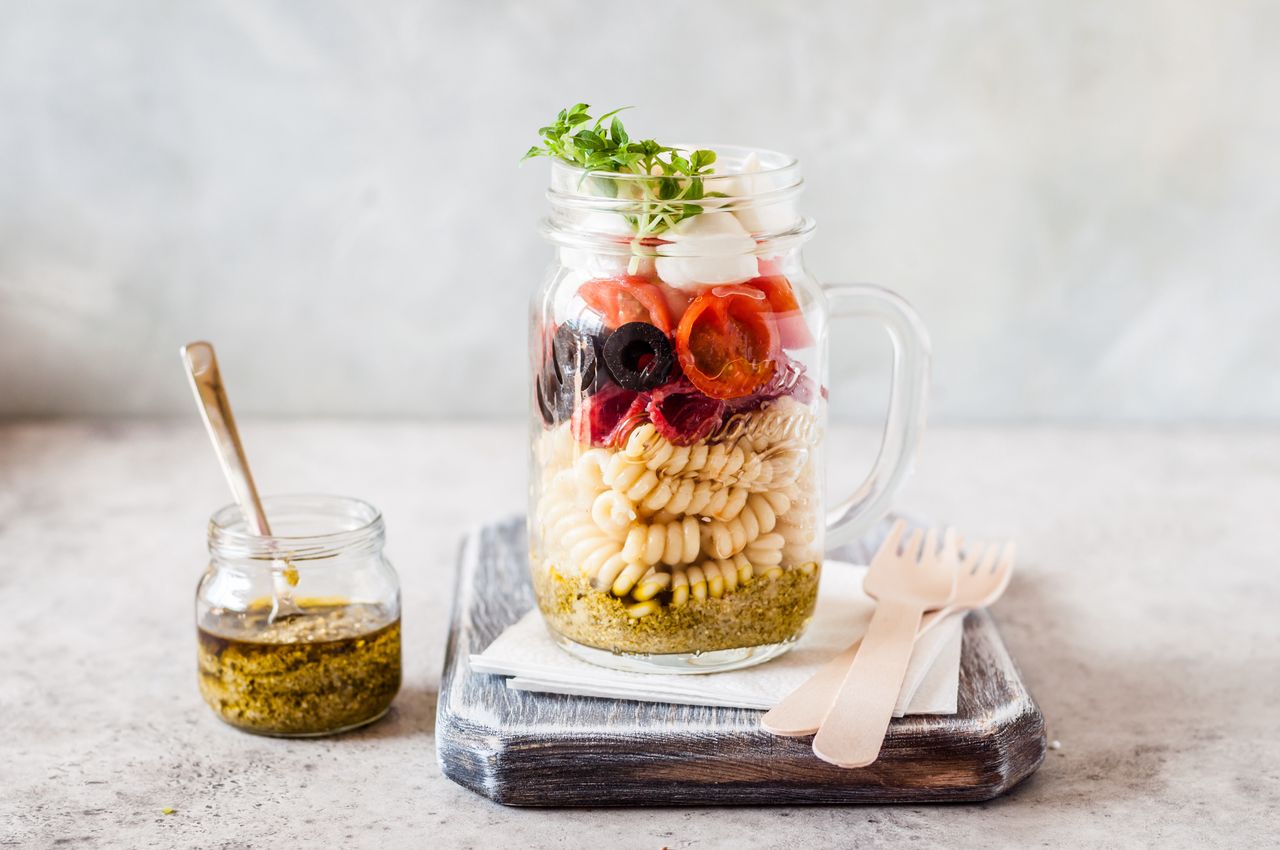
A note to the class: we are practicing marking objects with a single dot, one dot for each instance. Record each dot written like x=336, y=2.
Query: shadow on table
x=413, y=713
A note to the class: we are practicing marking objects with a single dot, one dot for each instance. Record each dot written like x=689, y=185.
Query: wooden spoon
x=215, y=409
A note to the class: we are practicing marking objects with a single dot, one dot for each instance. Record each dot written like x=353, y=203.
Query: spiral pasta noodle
x=584, y=544
x=671, y=543
x=653, y=492
x=799, y=525
x=658, y=525
x=719, y=465
x=613, y=513
x=711, y=462
x=651, y=584
x=679, y=588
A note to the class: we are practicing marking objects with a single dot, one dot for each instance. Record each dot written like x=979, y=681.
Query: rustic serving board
x=530, y=749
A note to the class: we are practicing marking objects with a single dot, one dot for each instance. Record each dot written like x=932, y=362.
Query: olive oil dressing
x=332, y=667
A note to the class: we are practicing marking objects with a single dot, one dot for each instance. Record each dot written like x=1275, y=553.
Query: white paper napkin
x=526, y=652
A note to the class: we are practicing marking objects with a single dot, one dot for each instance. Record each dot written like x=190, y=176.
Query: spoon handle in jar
x=215, y=409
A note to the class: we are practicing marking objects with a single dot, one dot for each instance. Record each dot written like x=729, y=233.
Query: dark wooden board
x=529, y=749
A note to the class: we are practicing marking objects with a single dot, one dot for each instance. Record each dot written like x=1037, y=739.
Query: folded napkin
x=527, y=652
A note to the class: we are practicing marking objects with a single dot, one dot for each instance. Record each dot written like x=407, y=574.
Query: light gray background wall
x=1083, y=199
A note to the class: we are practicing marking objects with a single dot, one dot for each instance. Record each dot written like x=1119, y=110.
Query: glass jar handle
x=904, y=424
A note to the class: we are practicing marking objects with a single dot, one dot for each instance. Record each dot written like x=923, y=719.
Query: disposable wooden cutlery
x=982, y=576
x=905, y=584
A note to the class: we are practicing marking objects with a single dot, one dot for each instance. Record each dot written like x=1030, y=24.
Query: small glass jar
x=679, y=399
x=331, y=666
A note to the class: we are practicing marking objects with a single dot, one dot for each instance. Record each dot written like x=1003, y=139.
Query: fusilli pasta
x=658, y=524
x=671, y=543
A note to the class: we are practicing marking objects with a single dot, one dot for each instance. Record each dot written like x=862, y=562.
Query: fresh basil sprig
x=674, y=176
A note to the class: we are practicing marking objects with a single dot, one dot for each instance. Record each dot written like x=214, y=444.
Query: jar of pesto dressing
x=334, y=665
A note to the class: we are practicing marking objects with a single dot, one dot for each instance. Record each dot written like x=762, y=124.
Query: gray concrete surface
x=1143, y=618
x=1081, y=198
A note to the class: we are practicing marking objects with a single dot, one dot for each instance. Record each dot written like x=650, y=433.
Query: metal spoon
x=215, y=409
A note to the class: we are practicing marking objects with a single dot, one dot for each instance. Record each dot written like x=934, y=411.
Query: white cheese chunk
x=604, y=225
x=594, y=264
x=770, y=218
x=711, y=248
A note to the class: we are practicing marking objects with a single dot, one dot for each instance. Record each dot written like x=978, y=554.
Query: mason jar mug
x=679, y=403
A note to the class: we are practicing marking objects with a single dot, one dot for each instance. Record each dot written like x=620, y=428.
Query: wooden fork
x=983, y=574
x=981, y=578
x=801, y=711
x=919, y=579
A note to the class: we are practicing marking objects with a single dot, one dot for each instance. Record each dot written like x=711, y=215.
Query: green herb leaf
x=672, y=177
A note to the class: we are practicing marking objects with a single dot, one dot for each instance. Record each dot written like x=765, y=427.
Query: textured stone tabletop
x=1143, y=618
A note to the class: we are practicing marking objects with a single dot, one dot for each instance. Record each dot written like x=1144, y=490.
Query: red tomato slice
x=727, y=342
x=627, y=299
x=792, y=329
x=677, y=301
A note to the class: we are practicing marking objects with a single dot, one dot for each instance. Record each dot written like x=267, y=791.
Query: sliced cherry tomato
x=677, y=301
x=620, y=300
x=792, y=329
x=727, y=341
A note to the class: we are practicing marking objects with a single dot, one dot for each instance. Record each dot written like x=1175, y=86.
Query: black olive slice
x=577, y=357
x=639, y=356
x=545, y=408
x=555, y=400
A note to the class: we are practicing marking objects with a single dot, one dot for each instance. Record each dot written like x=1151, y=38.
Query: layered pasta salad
x=676, y=504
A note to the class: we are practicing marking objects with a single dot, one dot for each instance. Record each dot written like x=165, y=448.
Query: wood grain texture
x=530, y=749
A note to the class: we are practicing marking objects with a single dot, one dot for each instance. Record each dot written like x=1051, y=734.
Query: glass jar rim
x=775, y=177
x=356, y=525
x=770, y=162
x=586, y=205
